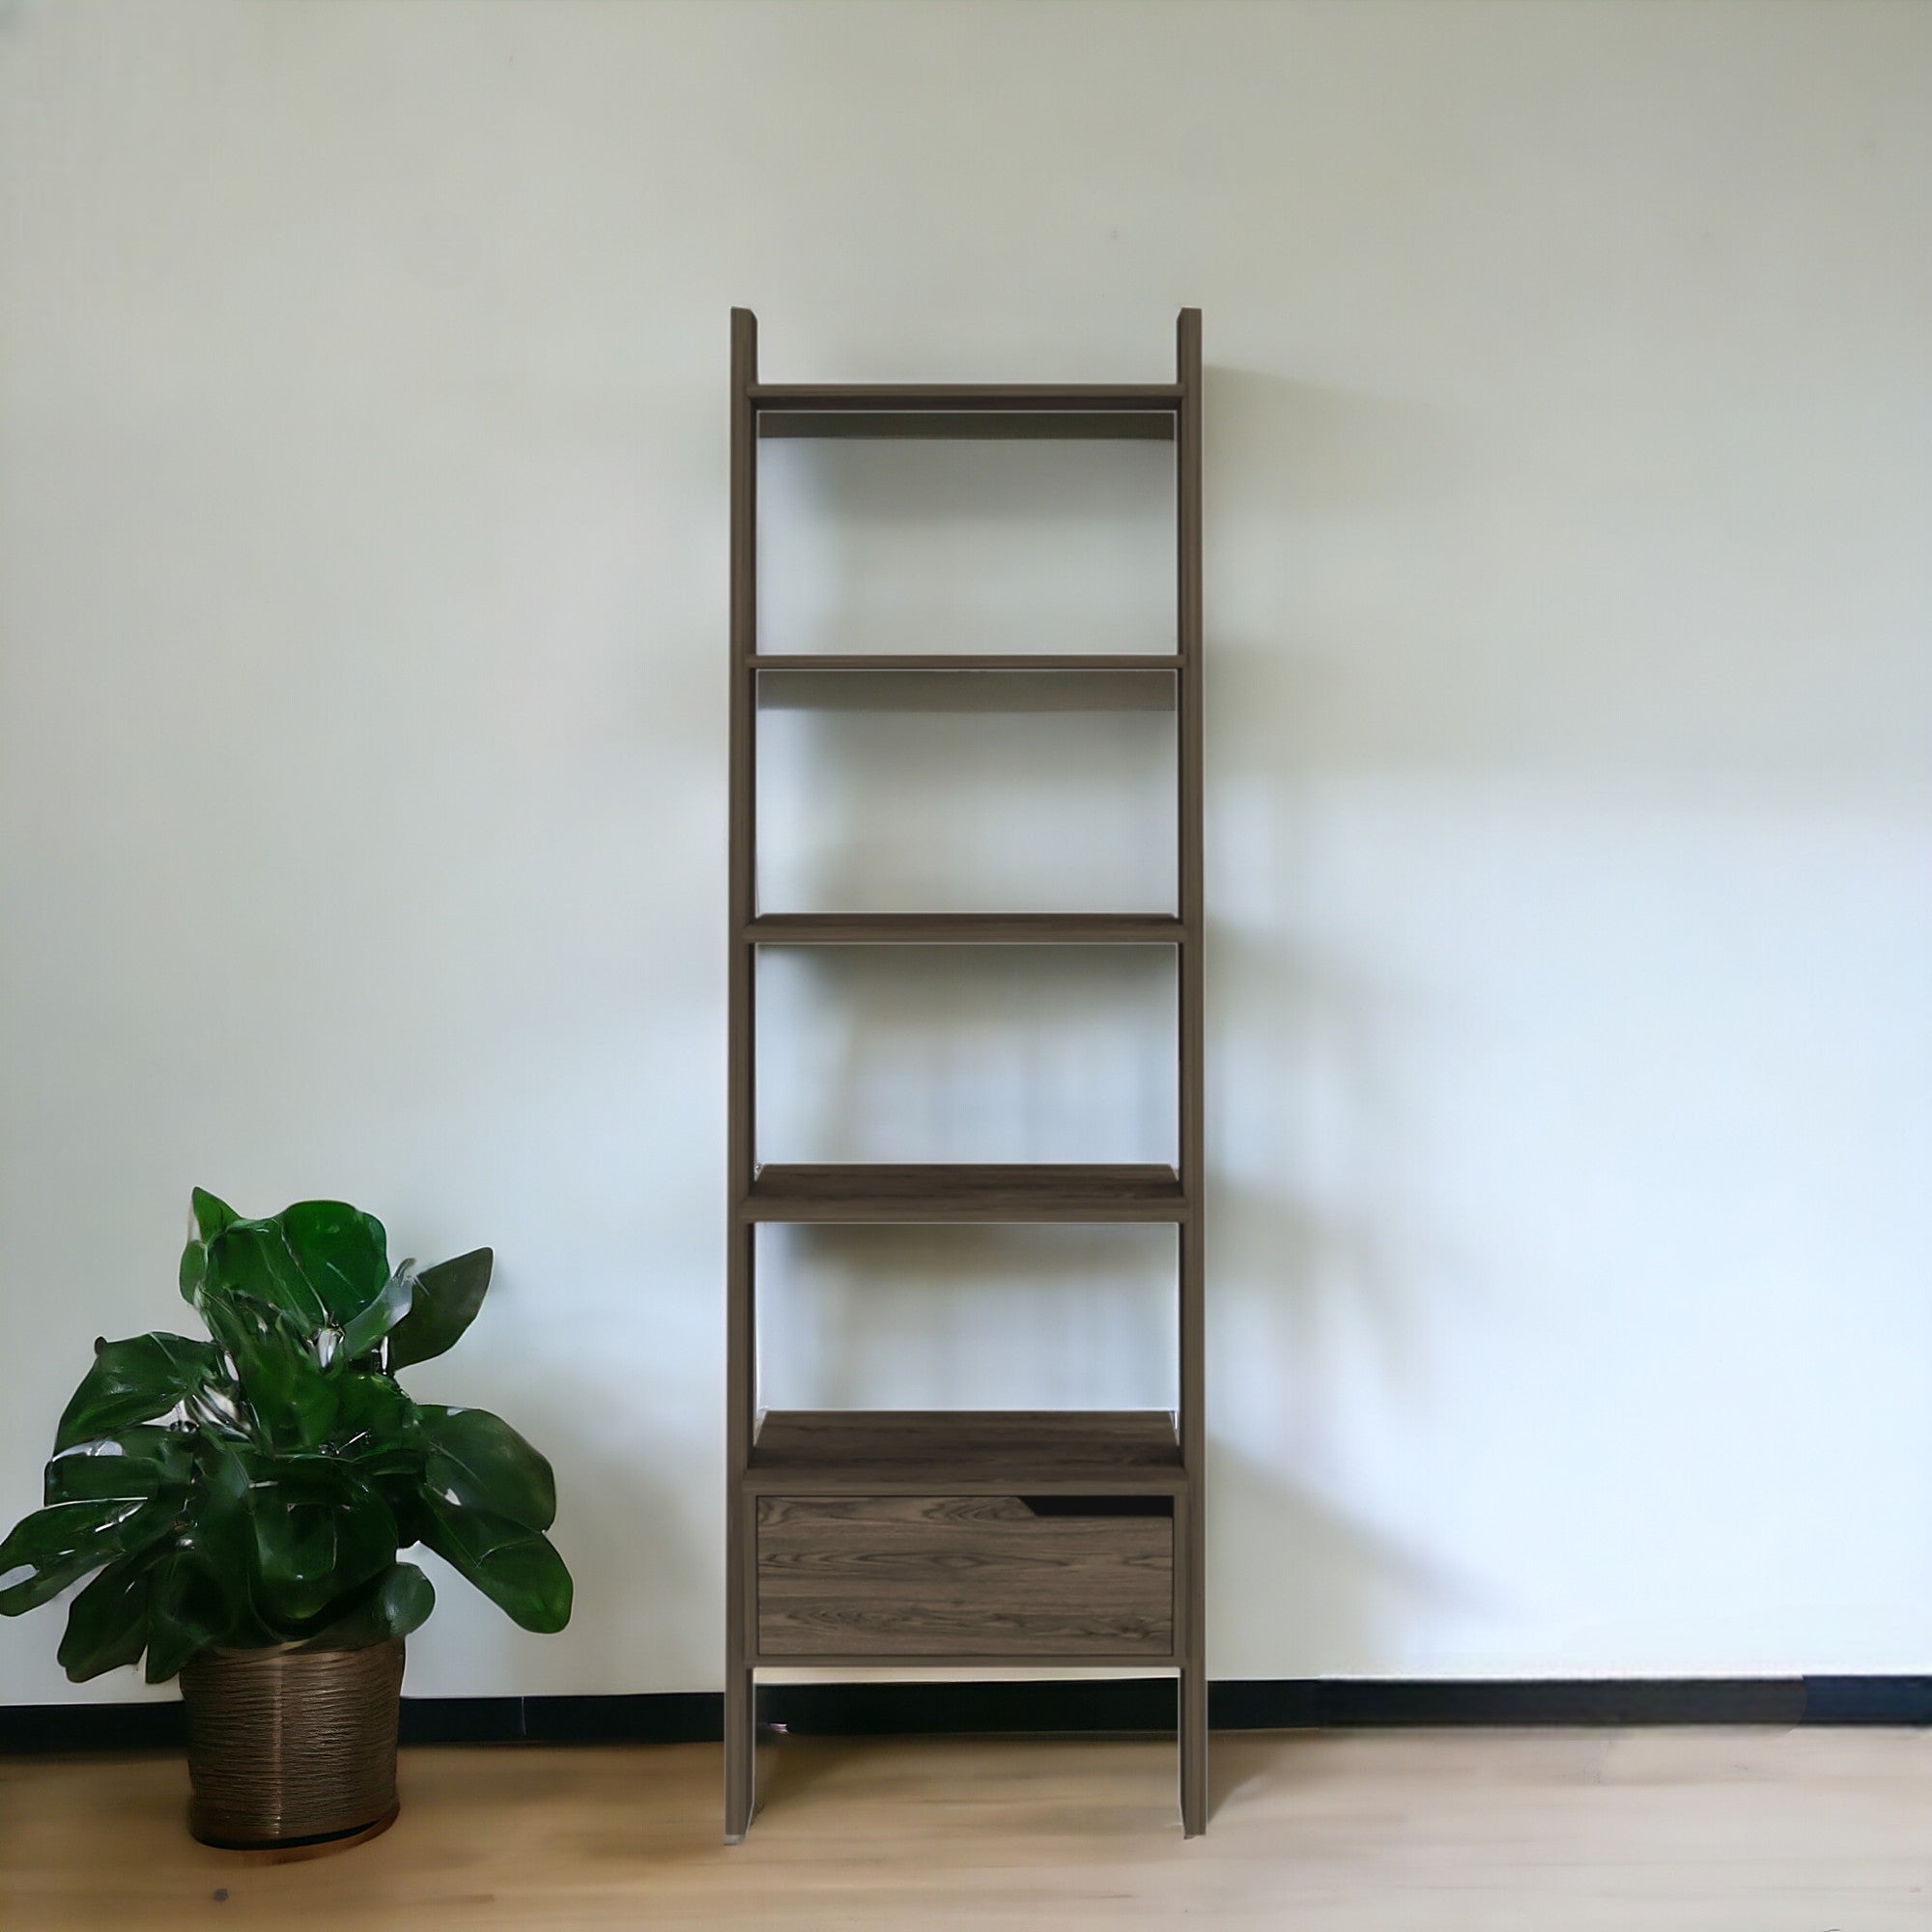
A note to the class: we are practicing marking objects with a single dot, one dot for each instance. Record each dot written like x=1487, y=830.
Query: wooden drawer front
x=965, y=1577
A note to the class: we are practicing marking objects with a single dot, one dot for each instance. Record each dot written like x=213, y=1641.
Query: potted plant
x=244, y=1499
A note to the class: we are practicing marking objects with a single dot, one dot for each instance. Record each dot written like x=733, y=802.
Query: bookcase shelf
x=930, y=661
x=962, y=1193
x=965, y=928
x=1017, y=1537
x=884, y=1452
x=1143, y=412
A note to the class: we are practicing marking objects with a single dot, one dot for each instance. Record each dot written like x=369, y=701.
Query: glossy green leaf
x=134, y=1382
x=514, y=1567
x=447, y=1298
x=190, y=1607
x=135, y=1465
x=223, y=1530
x=293, y=1398
x=477, y=1460
x=397, y=1603
x=362, y=1331
x=319, y=1531
x=269, y=1504
x=342, y=1252
x=321, y=1263
x=376, y=1424
x=59, y=1546
x=254, y=1259
x=223, y=1473
x=220, y=1405
x=210, y=1213
x=107, y=1622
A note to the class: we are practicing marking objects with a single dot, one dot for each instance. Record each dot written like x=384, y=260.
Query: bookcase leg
x=1193, y=1751
x=741, y=1753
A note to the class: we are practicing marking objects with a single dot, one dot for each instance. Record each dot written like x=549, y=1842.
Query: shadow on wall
x=1302, y=484
x=913, y=793
x=998, y=1053
x=967, y=1317
x=908, y=545
x=1307, y=1268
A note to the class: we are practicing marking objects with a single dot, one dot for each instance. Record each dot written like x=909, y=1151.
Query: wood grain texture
x=741, y=1076
x=1656, y=1831
x=969, y=1192
x=959, y=1577
x=978, y=425
x=1191, y=886
x=985, y=1599
x=1051, y=663
x=1049, y=397
x=1046, y=1451
x=965, y=928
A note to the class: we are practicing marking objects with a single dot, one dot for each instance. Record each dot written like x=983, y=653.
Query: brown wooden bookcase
x=942, y=1538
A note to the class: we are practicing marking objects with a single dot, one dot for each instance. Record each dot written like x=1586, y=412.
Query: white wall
x=363, y=527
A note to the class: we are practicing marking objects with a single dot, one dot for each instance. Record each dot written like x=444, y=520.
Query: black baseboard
x=1128, y=1704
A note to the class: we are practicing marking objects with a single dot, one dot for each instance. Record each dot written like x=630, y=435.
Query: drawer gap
x=1098, y=1505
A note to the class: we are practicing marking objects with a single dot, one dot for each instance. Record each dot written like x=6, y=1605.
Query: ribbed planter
x=290, y=1748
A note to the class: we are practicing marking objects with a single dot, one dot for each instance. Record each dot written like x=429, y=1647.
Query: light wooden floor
x=1751, y=1830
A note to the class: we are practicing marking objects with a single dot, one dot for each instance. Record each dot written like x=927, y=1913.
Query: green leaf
x=107, y=1623
x=223, y=1493
x=190, y=1607
x=402, y=1601
x=254, y=1259
x=342, y=1252
x=271, y=1505
x=397, y=1603
x=293, y=1399
x=376, y=1423
x=210, y=1216
x=221, y=1405
x=321, y=1263
x=362, y=1331
x=59, y=1546
x=213, y=1594
x=320, y=1530
x=480, y=1462
x=223, y=1530
x=211, y=1213
x=134, y=1382
x=403, y=1491
x=514, y=1567
x=447, y=1298
x=46, y=1583
x=133, y=1464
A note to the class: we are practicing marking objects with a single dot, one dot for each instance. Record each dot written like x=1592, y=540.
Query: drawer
x=965, y=1577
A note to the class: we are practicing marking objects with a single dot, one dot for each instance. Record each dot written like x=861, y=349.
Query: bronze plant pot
x=290, y=1748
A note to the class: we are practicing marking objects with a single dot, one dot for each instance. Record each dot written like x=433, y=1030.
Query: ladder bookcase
x=1003, y=1538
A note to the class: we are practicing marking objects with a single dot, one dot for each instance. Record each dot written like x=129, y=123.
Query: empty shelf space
x=1038, y=1451
x=965, y=1193
x=1034, y=661
x=965, y=928
x=979, y=410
